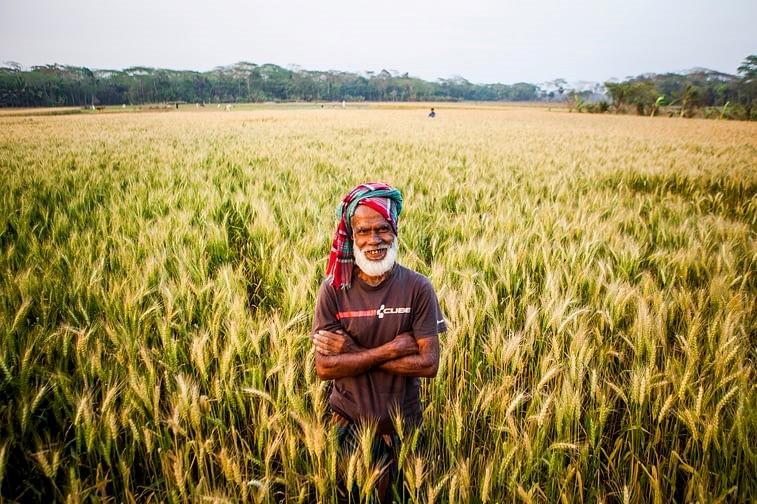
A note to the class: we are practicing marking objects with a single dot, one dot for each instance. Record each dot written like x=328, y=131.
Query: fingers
x=339, y=334
x=339, y=339
x=326, y=343
x=333, y=343
x=325, y=340
x=325, y=352
x=321, y=343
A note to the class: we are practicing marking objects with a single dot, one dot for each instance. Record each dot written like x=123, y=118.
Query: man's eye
x=368, y=232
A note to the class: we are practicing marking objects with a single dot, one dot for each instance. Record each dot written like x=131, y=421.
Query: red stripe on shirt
x=353, y=314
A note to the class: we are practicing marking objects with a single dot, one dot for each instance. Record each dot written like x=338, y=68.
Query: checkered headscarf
x=381, y=197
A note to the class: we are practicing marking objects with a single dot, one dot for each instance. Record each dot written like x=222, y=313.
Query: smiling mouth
x=375, y=254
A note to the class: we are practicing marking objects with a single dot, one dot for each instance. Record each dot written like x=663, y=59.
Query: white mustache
x=376, y=268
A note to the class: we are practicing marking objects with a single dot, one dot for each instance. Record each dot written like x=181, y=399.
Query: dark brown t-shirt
x=405, y=302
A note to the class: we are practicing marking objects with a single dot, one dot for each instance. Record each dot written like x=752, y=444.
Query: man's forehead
x=365, y=215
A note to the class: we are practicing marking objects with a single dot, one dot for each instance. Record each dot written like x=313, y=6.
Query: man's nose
x=375, y=238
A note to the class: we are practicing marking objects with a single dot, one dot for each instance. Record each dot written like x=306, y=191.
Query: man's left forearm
x=423, y=366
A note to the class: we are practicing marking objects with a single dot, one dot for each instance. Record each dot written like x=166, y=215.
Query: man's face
x=371, y=233
x=373, y=241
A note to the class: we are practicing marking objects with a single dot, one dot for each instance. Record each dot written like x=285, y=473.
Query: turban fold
x=381, y=197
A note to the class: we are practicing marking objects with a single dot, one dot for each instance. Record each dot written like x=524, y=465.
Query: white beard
x=376, y=268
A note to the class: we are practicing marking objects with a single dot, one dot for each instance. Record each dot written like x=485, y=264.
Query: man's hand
x=405, y=344
x=423, y=363
x=334, y=343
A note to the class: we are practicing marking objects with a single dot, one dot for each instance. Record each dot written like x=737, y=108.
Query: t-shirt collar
x=388, y=280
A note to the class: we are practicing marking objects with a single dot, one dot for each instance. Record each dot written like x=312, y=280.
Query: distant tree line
x=700, y=92
x=57, y=85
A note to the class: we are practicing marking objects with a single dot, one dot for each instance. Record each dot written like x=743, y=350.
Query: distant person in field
x=432, y=114
x=375, y=328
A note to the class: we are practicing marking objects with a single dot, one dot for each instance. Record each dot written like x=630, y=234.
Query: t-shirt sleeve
x=326, y=310
x=428, y=319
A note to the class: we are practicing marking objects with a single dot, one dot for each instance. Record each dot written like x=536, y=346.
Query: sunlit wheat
x=159, y=272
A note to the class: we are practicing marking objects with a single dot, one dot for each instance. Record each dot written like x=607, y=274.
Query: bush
x=596, y=108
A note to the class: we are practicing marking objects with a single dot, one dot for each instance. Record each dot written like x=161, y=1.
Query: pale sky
x=481, y=40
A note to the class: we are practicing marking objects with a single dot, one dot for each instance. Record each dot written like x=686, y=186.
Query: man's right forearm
x=330, y=367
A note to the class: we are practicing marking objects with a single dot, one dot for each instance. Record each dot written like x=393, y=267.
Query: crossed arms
x=338, y=355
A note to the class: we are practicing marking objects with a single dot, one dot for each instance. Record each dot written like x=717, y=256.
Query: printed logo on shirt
x=380, y=312
x=389, y=311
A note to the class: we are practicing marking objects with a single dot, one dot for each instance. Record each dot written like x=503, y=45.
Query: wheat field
x=158, y=274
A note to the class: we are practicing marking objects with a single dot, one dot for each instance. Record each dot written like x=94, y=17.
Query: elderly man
x=376, y=322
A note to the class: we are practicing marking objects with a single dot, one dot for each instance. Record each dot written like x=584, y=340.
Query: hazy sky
x=482, y=40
